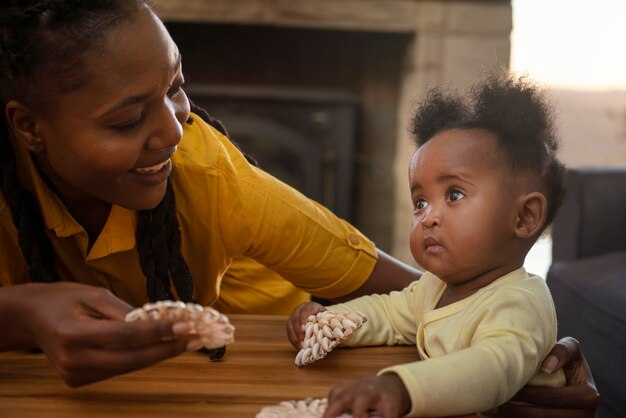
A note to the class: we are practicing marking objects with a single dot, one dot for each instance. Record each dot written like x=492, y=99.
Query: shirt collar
x=118, y=233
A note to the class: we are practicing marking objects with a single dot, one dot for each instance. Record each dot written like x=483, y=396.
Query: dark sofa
x=588, y=277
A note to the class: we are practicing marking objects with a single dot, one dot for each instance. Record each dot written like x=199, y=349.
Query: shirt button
x=354, y=240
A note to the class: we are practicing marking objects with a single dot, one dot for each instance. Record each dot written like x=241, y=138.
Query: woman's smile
x=151, y=169
x=153, y=174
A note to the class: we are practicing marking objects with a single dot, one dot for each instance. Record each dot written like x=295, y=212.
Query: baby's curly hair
x=517, y=112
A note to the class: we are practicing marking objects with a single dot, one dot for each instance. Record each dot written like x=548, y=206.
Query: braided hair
x=33, y=35
x=517, y=112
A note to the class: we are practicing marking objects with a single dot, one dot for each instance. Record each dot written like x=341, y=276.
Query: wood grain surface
x=257, y=370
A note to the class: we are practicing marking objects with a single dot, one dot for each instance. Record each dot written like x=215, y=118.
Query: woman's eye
x=177, y=88
x=454, y=195
x=419, y=204
x=128, y=125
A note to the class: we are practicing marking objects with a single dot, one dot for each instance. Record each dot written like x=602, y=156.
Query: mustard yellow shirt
x=472, y=355
x=228, y=210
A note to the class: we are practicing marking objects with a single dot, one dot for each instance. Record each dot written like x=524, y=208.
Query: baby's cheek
x=415, y=239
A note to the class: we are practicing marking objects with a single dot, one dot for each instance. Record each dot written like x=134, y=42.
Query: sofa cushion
x=590, y=299
x=592, y=220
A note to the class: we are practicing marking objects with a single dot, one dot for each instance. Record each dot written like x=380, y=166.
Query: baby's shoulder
x=528, y=291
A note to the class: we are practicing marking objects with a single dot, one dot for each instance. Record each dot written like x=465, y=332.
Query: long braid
x=158, y=244
x=179, y=270
x=208, y=118
x=34, y=243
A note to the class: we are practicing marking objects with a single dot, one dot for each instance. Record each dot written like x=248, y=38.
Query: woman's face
x=111, y=140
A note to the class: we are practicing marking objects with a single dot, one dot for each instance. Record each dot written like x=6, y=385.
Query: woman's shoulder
x=201, y=144
x=204, y=147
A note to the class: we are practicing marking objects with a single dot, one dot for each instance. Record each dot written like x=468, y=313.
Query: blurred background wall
x=320, y=91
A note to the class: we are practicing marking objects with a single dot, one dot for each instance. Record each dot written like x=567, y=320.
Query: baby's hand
x=385, y=394
x=297, y=322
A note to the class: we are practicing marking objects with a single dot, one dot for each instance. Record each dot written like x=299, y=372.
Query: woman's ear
x=531, y=215
x=23, y=124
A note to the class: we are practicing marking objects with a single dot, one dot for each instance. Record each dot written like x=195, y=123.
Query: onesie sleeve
x=391, y=318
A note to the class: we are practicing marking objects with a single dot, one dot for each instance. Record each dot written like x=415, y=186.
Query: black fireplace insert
x=306, y=138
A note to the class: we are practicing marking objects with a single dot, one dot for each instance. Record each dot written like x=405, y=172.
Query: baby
x=485, y=182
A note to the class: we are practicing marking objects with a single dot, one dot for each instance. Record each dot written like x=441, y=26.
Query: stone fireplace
x=320, y=91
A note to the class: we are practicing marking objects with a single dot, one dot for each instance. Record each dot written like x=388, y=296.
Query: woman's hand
x=578, y=399
x=82, y=331
x=297, y=322
x=385, y=394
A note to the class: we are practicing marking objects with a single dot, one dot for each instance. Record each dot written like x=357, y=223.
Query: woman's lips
x=153, y=169
x=153, y=175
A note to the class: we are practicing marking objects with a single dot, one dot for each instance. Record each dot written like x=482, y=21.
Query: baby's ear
x=24, y=125
x=531, y=215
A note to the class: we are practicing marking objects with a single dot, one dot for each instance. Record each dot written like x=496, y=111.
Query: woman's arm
x=82, y=331
x=388, y=275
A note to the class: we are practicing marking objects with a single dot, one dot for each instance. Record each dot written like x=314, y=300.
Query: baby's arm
x=391, y=319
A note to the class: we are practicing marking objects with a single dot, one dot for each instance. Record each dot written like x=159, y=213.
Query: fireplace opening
x=316, y=107
x=305, y=138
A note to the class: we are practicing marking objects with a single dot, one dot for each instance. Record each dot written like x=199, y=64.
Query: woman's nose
x=169, y=125
x=182, y=108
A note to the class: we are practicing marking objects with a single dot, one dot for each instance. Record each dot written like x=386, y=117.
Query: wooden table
x=257, y=370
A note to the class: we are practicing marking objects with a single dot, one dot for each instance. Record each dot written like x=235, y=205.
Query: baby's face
x=464, y=204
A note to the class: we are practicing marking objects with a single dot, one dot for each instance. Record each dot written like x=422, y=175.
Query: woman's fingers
x=92, y=365
x=564, y=351
x=579, y=398
x=128, y=335
x=528, y=411
x=82, y=331
x=565, y=397
x=101, y=303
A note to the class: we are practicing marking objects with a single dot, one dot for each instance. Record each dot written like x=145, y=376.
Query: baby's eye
x=454, y=195
x=419, y=204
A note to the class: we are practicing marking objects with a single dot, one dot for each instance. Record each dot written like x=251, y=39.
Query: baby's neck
x=456, y=291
